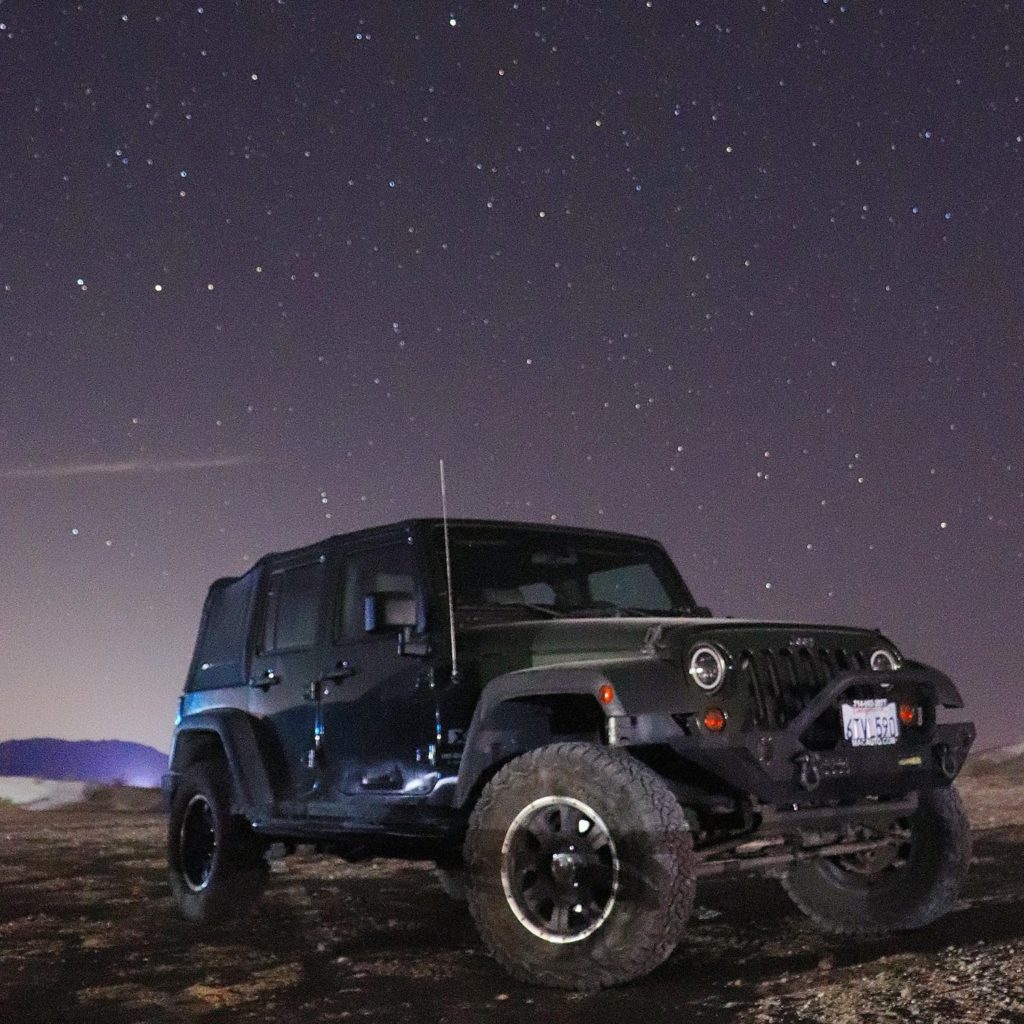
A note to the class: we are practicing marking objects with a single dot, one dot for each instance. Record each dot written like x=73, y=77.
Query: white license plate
x=870, y=723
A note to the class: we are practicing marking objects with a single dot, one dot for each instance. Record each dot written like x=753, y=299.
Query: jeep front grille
x=782, y=681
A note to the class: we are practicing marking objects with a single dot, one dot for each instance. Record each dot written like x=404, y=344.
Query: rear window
x=220, y=652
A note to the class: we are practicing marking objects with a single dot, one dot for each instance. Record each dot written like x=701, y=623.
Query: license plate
x=870, y=723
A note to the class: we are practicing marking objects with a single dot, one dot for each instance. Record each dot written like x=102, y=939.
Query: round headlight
x=707, y=667
x=884, y=661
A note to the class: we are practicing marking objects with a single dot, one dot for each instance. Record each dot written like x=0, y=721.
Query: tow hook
x=810, y=773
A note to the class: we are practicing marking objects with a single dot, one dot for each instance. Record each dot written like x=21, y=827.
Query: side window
x=293, y=598
x=390, y=570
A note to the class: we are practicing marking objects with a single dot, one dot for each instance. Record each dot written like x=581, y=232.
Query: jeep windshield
x=509, y=573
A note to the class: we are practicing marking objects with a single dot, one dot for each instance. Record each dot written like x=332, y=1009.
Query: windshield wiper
x=608, y=610
x=624, y=611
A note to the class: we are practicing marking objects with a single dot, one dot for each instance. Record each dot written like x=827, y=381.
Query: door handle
x=318, y=688
x=265, y=681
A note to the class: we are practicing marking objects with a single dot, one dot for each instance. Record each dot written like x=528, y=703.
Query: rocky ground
x=88, y=933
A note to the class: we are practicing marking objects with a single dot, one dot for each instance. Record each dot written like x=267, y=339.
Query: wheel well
x=481, y=781
x=574, y=714
x=526, y=723
x=197, y=745
x=716, y=804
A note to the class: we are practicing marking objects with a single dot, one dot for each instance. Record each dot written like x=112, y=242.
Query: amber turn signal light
x=606, y=694
x=908, y=714
x=714, y=719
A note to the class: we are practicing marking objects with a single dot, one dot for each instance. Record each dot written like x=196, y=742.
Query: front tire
x=580, y=869
x=911, y=886
x=215, y=862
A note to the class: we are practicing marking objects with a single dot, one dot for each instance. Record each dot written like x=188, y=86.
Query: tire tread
x=661, y=813
x=241, y=878
x=955, y=856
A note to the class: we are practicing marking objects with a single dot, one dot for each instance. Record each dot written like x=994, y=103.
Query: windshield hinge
x=652, y=641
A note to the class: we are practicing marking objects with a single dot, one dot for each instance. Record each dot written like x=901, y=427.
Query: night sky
x=746, y=278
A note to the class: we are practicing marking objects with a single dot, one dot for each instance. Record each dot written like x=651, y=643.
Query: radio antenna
x=448, y=573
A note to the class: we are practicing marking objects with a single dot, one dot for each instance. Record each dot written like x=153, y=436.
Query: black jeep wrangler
x=574, y=745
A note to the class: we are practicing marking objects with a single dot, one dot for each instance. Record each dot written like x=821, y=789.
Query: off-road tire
x=901, y=898
x=656, y=877
x=237, y=872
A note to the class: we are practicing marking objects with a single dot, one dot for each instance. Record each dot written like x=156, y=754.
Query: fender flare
x=236, y=731
x=945, y=690
x=510, y=716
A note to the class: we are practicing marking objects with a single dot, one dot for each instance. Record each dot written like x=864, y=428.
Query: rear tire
x=862, y=897
x=215, y=861
x=580, y=869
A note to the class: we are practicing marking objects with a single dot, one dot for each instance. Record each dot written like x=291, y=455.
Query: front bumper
x=776, y=767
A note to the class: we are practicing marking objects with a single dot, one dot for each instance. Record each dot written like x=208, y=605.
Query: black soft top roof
x=426, y=523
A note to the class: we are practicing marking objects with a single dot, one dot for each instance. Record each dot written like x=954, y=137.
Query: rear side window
x=293, y=602
x=220, y=652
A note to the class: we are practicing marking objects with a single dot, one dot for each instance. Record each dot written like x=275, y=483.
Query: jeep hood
x=508, y=646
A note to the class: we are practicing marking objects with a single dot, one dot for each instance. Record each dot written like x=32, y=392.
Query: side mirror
x=387, y=610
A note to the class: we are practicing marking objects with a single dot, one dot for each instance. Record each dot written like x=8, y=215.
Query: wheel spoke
x=535, y=886
x=542, y=827
x=596, y=839
x=570, y=819
x=560, y=919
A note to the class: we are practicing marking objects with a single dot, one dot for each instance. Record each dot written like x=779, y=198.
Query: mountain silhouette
x=109, y=761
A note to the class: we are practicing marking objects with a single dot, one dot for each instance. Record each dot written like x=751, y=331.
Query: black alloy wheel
x=560, y=870
x=579, y=867
x=197, y=843
x=216, y=864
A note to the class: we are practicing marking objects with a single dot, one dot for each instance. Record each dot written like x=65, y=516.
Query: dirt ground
x=88, y=933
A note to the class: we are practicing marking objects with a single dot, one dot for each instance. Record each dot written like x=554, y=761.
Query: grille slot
x=782, y=681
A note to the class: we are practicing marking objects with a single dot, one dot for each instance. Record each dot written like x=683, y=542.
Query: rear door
x=283, y=670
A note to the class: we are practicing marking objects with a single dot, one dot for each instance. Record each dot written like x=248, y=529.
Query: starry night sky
x=745, y=278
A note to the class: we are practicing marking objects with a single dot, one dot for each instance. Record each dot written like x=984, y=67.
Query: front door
x=378, y=713
x=284, y=668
